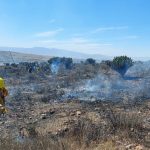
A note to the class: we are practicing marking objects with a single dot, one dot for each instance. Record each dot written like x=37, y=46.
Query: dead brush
x=40, y=143
x=85, y=132
x=127, y=122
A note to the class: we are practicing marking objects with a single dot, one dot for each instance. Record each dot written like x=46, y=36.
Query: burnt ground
x=71, y=107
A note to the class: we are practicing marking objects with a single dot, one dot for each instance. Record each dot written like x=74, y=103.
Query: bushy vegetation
x=90, y=61
x=122, y=64
x=66, y=62
x=61, y=65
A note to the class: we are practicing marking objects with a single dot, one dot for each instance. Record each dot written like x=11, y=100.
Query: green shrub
x=122, y=64
x=90, y=61
x=67, y=62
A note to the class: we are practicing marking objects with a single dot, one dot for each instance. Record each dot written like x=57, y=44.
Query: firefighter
x=3, y=93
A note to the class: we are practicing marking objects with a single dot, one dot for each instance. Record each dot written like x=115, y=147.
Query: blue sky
x=109, y=27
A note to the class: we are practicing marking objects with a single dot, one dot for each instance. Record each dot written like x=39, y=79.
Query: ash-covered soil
x=88, y=104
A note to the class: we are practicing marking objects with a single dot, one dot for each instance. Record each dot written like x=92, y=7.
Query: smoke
x=139, y=69
x=55, y=65
x=104, y=87
x=54, y=68
x=111, y=87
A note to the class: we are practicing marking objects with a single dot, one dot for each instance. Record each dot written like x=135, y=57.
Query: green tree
x=122, y=64
x=90, y=61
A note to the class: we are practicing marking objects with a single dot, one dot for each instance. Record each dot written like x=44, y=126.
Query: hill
x=55, y=52
x=16, y=57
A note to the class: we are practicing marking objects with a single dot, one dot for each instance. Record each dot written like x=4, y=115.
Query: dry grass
x=84, y=135
x=109, y=145
x=47, y=143
x=40, y=143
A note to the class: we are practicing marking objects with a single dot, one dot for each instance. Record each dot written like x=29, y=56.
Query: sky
x=107, y=27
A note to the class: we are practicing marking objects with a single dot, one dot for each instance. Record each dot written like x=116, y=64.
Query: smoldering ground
x=112, y=87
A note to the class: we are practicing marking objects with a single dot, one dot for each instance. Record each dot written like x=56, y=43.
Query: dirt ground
x=38, y=107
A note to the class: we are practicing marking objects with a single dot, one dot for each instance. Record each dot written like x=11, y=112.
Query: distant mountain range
x=55, y=52
x=14, y=54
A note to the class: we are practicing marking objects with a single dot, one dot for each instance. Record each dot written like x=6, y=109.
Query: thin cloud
x=131, y=37
x=112, y=28
x=49, y=33
x=82, y=45
x=52, y=20
x=128, y=37
x=79, y=40
x=78, y=34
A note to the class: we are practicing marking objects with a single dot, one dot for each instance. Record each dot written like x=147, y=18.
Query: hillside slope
x=56, y=52
x=16, y=57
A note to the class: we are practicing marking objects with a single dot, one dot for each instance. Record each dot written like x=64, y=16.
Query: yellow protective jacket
x=2, y=83
x=3, y=92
